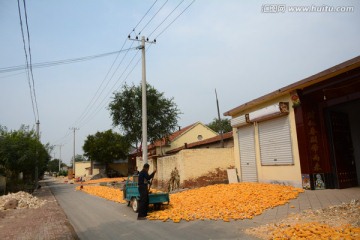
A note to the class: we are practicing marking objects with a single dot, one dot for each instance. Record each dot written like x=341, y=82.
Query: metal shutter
x=275, y=142
x=246, y=137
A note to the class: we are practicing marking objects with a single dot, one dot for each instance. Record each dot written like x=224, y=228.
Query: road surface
x=96, y=218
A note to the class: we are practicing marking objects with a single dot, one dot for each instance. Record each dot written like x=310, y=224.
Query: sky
x=236, y=47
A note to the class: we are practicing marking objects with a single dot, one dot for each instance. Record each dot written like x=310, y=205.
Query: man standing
x=144, y=179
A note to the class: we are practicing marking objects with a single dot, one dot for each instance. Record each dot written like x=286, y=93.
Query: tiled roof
x=173, y=136
x=215, y=139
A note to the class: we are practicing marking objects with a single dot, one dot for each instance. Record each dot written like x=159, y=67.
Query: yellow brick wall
x=80, y=168
x=198, y=162
x=122, y=168
x=193, y=163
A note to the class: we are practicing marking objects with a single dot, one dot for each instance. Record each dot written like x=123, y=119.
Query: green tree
x=106, y=147
x=53, y=165
x=80, y=158
x=125, y=110
x=222, y=125
x=19, y=152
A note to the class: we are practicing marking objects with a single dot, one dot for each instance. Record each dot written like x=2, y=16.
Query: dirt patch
x=338, y=222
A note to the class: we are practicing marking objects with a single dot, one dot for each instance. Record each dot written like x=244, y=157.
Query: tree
x=80, y=158
x=53, y=165
x=19, y=152
x=222, y=125
x=106, y=147
x=125, y=110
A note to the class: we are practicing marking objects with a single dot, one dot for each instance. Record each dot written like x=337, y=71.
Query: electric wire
x=87, y=109
x=100, y=105
x=30, y=58
x=166, y=18
x=26, y=61
x=61, y=62
x=97, y=91
x=143, y=17
x=11, y=75
x=174, y=20
x=152, y=17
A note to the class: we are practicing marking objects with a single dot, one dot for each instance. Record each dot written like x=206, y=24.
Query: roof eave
x=319, y=77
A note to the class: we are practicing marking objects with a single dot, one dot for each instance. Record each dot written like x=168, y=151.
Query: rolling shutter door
x=275, y=142
x=246, y=137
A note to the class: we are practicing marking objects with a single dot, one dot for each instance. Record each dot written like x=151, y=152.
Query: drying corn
x=315, y=230
x=225, y=202
x=108, y=193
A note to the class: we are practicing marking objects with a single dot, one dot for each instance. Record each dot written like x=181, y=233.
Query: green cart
x=132, y=195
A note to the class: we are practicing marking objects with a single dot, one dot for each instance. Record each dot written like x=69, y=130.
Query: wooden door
x=343, y=151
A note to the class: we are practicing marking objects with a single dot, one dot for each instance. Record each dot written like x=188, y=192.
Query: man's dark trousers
x=144, y=201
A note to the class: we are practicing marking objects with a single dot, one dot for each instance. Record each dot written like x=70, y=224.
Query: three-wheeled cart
x=132, y=195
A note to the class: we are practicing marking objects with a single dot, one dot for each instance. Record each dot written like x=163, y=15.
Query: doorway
x=343, y=123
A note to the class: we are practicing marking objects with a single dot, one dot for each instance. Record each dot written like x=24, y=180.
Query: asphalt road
x=96, y=218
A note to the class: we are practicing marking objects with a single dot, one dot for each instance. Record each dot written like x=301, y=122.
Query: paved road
x=96, y=218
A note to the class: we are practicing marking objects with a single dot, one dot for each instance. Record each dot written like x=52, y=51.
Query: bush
x=63, y=173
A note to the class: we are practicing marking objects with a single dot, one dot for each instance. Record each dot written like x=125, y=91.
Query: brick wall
x=191, y=163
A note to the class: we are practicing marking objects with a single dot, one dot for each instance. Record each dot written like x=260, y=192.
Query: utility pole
x=74, y=129
x=221, y=130
x=37, y=156
x=143, y=97
x=60, y=145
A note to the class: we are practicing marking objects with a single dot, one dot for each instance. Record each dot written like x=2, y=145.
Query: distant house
x=214, y=142
x=193, y=133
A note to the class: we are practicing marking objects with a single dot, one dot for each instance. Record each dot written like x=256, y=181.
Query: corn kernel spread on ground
x=112, y=194
x=334, y=222
x=225, y=202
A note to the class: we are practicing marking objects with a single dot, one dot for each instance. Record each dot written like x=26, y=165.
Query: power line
x=174, y=20
x=153, y=17
x=11, y=75
x=26, y=60
x=166, y=18
x=122, y=83
x=87, y=109
x=60, y=62
x=100, y=105
x=143, y=17
x=30, y=57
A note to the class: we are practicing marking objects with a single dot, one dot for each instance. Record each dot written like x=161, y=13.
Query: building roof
x=174, y=135
x=319, y=77
x=215, y=139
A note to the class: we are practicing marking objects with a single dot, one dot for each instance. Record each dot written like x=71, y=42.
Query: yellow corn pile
x=100, y=180
x=315, y=230
x=225, y=202
x=111, y=194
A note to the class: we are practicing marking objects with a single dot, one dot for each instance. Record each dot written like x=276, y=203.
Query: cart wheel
x=134, y=204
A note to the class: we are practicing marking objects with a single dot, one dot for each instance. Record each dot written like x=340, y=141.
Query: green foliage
x=80, y=158
x=19, y=151
x=125, y=110
x=63, y=173
x=53, y=165
x=106, y=147
x=222, y=125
